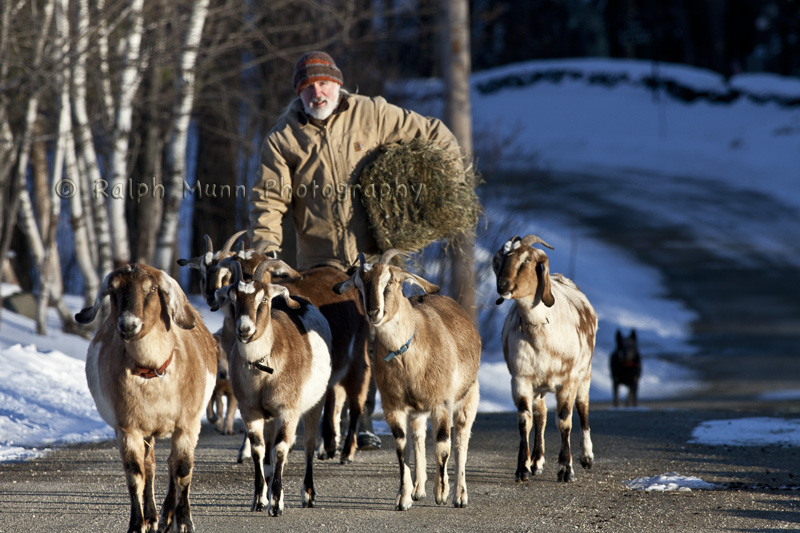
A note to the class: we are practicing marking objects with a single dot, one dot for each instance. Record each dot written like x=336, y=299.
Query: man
x=312, y=158
x=310, y=164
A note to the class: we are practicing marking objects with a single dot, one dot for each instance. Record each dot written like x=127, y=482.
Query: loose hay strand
x=418, y=193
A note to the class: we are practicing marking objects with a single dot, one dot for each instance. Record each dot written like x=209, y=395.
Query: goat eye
x=264, y=300
x=154, y=288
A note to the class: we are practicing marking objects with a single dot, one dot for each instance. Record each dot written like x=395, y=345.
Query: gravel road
x=82, y=488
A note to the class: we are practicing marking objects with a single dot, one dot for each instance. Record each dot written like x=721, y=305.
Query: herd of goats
x=296, y=345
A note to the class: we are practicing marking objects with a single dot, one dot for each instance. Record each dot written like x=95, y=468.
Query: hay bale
x=418, y=193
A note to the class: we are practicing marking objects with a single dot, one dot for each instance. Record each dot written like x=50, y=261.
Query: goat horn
x=237, y=272
x=229, y=243
x=209, y=246
x=530, y=240
x=262, y=267
x=389, y=254
x=262, y=246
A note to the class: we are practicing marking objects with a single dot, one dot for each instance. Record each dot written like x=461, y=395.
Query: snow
x=671, y=482
x=754, y=431
x=599, y=117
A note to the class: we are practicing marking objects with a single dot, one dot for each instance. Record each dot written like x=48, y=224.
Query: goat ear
x=221, y=297
x=87, y=314
x=543, y=273
x=619, y=338
x=422, y=283
x=194, y=262
x=280, y=290
x=175, y=300
x=344, y=286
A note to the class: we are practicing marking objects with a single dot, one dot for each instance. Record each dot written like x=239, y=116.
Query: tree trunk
x=18, y=191
x=89, y=263
x=129, y=83
x=458, y=116
x=176, y=154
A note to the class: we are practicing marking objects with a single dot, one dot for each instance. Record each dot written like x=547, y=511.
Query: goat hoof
x=523, y=476
x=566, y=475
x=587, y=463
x=259, y=508
x=346, y=460
x=275, y=511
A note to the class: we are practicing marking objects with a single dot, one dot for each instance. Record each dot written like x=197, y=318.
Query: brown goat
x=151, y=369
x=427, y=354
x=280, y=367
x=548, y=341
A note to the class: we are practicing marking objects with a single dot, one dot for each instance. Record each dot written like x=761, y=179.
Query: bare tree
x=458, y=116
x=176, y=155
x=130, y=78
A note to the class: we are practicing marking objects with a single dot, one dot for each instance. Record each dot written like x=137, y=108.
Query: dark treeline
x=727, y=36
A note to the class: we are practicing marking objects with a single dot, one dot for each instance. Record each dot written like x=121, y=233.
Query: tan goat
x=279, y=369
x=548, y=341
x=427, y=354
x=151, y=369
x=351, y=369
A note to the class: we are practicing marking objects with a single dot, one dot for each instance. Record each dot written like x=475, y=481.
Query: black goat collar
x=262, y=365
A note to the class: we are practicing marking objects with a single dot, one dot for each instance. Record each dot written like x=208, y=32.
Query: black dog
x=626, y=367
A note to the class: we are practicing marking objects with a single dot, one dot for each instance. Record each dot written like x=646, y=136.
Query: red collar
x=148, y=373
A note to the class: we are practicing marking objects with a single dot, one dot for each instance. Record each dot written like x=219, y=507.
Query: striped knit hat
x=314, y=67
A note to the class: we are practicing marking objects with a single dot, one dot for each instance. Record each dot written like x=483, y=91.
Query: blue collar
x=400, y=350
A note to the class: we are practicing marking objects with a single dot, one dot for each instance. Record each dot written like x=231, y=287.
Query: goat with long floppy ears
x=548, y=341
x=151, y=368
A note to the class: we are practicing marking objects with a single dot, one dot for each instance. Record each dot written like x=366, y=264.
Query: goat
x=222, y=395
x=427, y=354
x=626, y=368
x=351, y=368
x=548, y=340
x=151, y=369
x=280, y=367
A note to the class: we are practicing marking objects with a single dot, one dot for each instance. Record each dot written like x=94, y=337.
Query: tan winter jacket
x=311, y=167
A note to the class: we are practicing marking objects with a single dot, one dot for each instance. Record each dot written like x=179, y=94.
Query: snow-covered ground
x=590, y=116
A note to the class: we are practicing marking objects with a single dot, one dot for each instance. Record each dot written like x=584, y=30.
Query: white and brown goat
x=279, y=369
x=351, y=369
x=427, y=354
x=151, y=369
x=548, y=341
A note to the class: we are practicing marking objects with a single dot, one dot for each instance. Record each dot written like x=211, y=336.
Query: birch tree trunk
x=458, y=116
x=84, y=237
x=176, y=154
x=18, y=193
x=129, y=83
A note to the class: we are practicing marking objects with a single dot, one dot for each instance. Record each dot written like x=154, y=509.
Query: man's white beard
x=321, y=113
